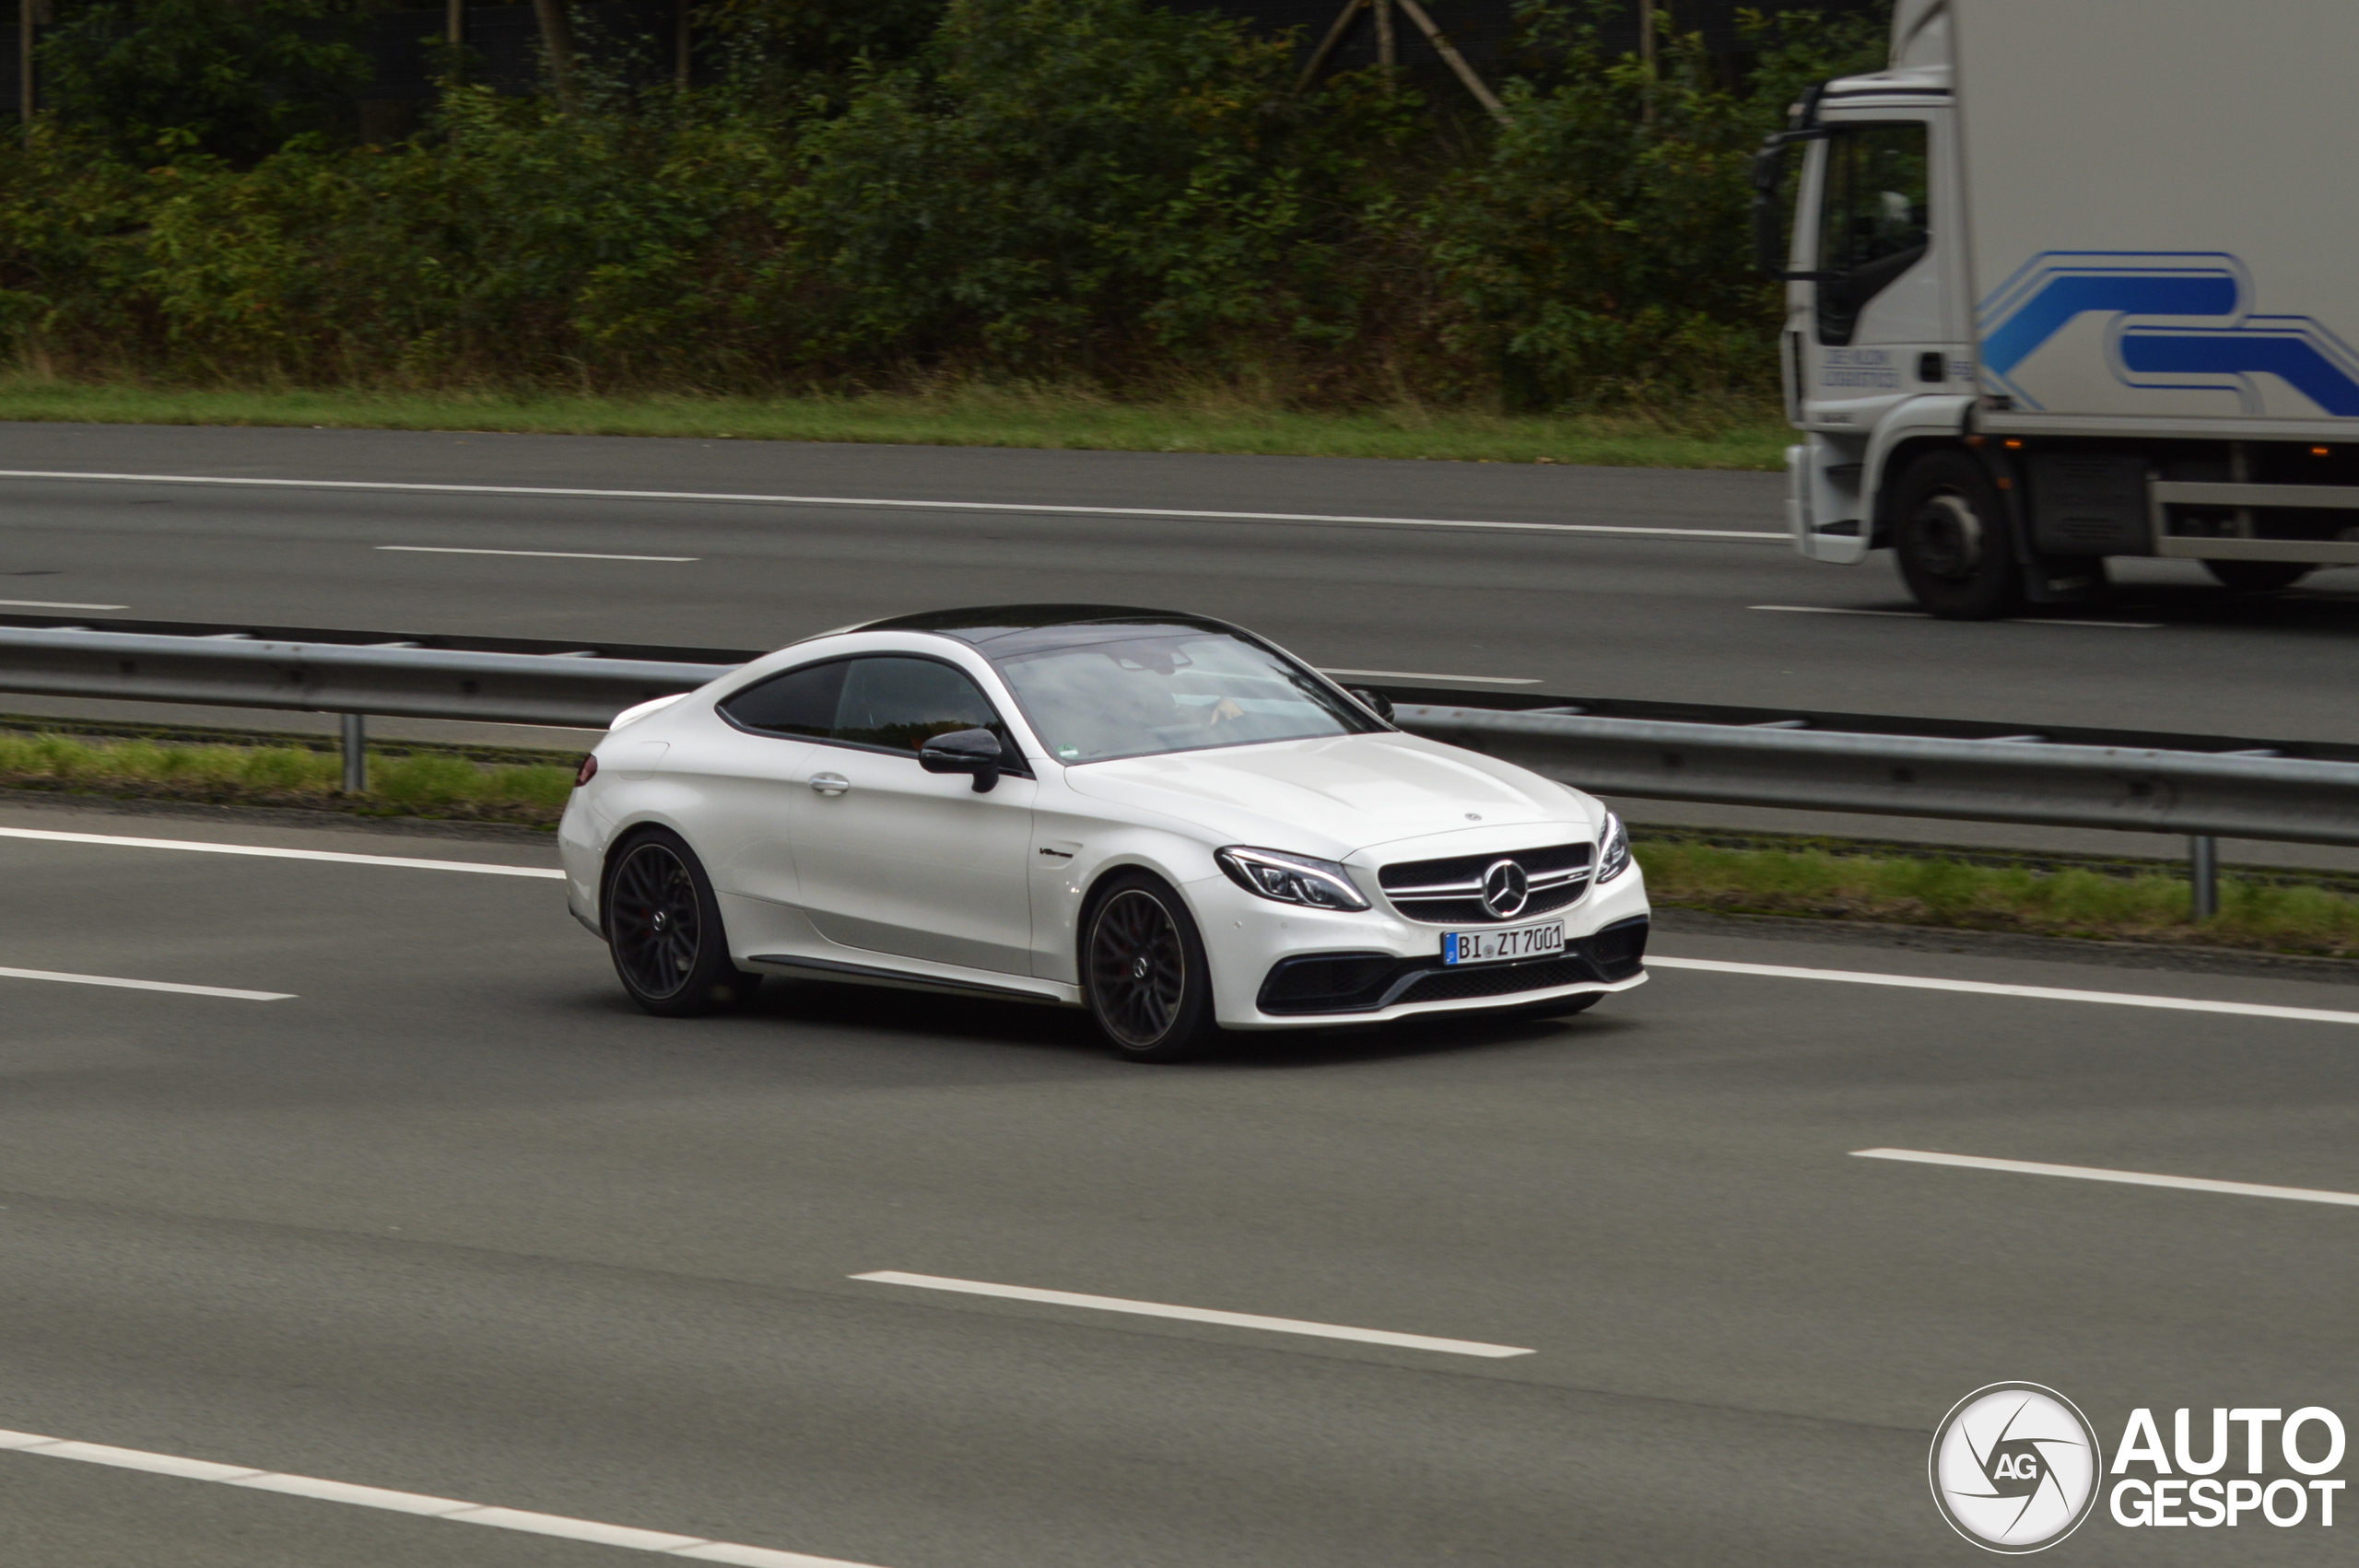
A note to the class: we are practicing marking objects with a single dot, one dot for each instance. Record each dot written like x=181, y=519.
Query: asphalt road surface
x=1677, y=613
x=450, y=1217
x=427, y=1208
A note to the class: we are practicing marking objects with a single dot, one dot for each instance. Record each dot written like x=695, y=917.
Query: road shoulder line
x=1750, y=536
x=271, y=852
x=691, y=1548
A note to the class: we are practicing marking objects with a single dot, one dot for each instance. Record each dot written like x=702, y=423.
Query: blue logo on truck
x=2181, y=322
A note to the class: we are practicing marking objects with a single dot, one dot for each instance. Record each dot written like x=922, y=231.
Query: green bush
x=152, y=80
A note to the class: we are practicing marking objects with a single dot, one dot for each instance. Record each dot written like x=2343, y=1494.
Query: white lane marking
x=268, y=852
x=1196, y=1314
x=146, y=985
x=694, y=1548
x=1924, y=615
x=1427, y=676
x=2130, y=1178
x=2034, y=993
x=56, y=604
x=553, y=555
x=1748, y=536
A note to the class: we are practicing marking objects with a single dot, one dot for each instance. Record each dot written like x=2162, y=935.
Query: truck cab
x=2015, y=347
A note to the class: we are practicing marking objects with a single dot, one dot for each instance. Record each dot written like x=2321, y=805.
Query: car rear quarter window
x=800, y=702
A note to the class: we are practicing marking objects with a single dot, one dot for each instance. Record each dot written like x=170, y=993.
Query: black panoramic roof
x=1001, y=630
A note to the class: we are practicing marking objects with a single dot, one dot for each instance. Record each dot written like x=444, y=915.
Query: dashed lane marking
x=2128, y=1179
x=1196, y=1314
x=120, y=984
x=1926, y=616
x=1988, y=987
x=552, y=555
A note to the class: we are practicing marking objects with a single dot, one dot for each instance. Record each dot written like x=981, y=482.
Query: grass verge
x=420, y=782
x=1737, y=437
x=2107, y=900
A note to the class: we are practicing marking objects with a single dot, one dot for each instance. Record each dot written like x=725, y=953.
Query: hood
x=1334, y=796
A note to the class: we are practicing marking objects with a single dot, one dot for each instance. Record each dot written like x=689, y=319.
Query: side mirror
x=963, y=751
x=1375, y=702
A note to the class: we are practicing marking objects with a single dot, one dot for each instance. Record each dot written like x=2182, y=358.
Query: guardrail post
x=355, y=755
x=2204, y=871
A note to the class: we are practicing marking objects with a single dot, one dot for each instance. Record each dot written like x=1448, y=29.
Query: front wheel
x=2257, y=577
x=663, y=929
x=1956, y=549
x=1143, y=972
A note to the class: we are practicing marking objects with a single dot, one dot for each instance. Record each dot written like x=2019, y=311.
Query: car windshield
x=1183, y=690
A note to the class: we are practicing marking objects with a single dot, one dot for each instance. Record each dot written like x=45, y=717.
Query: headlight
x=1290, y=878
x=1613, y=848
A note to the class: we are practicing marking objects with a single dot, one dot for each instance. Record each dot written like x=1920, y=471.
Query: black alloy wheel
x=663, y=929
x=1143, y=971
x=2257, y=577
x=1955, y=544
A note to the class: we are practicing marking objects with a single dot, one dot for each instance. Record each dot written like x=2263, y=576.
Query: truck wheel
x=2257, y=577
x=1956, y=550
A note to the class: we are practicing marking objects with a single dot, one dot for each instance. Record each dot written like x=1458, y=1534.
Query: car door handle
x=830, y=783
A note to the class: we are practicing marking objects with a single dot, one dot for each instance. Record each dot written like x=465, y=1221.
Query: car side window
x=899, y=704
x=800, y=702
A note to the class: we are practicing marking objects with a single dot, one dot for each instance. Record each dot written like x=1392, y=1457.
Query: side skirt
x=902, y=979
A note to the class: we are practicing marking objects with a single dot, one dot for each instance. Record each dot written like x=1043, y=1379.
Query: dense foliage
x=1092, y=190
x=156, y=79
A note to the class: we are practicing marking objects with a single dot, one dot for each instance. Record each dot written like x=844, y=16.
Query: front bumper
x=1278, y=966
x=1337, y=985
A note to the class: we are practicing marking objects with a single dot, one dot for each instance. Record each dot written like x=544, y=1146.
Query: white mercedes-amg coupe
x=1159, y=817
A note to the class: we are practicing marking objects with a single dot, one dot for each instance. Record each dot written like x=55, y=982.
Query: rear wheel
x=663, y=929
x=1143, y=972
x=2257, y=577
x=1956, y=550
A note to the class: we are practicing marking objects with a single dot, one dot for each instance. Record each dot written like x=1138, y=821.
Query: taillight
x=588, y=771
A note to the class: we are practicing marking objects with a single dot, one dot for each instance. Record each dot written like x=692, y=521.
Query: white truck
x=2074, y=279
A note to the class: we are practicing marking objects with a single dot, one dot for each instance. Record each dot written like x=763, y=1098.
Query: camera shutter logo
x=2015, y=1468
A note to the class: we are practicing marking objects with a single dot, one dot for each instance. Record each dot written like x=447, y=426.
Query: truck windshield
x=1872, y=219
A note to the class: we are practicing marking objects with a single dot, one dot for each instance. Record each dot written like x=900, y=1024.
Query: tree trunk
x=557, y=37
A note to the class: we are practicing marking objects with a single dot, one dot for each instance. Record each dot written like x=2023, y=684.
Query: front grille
x=1449, y=892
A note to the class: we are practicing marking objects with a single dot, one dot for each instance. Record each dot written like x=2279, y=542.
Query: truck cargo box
x=2163, y=212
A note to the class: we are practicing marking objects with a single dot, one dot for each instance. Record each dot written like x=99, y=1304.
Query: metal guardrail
x=2205, y=795
x=410, y=682
x=2148, y=791
x=573, y=689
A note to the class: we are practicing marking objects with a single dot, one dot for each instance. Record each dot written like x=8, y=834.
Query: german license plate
x=1496, y=946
